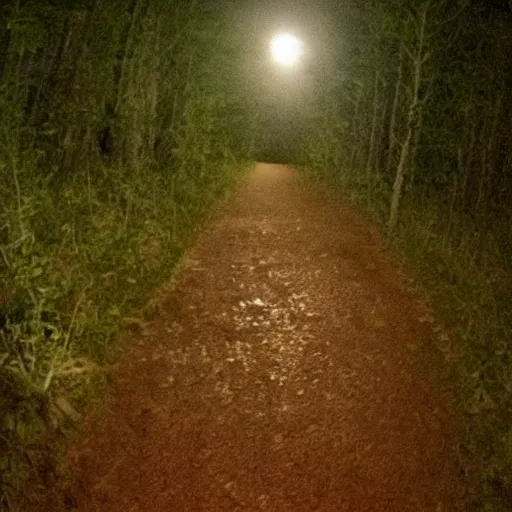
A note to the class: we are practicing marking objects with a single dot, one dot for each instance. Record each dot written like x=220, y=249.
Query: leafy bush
x=74, y=262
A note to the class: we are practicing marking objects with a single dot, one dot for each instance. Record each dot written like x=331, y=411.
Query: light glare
x=286, y=49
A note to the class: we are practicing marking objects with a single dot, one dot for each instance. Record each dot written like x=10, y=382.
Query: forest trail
x=283, y=372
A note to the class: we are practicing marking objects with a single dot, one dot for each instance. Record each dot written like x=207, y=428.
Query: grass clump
x=470, y=284
x=468, y=277
x=76, y=257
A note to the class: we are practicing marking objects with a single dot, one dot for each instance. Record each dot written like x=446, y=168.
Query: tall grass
x=77, y=256
x=468, y=276
x=471, y=287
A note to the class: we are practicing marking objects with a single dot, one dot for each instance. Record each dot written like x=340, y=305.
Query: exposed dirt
x=282, y=373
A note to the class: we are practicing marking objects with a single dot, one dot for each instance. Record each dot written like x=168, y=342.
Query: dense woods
x=116, y=136
x=123, y=121
x=415, y=124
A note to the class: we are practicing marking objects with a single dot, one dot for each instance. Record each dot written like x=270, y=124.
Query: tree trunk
x=135, y=10
x=392, y=121
x=354, y=130
x=399, y=182
x=371, y=150
x=419, y=58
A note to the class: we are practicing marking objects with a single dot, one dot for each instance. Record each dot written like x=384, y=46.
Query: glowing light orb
x=286, y=49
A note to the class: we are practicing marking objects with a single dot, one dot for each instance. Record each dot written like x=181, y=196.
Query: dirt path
x=280, y=375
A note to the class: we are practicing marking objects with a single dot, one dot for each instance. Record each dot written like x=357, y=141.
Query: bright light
x=286, y=49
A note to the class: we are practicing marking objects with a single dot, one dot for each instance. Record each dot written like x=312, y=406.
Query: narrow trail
x=281, y=374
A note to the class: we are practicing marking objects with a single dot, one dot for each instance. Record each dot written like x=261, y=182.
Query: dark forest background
x=123, y=122
x=413, y=122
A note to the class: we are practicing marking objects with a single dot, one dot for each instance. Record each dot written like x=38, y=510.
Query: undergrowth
x=468, y=276
x=471, y=289
x=76, y=256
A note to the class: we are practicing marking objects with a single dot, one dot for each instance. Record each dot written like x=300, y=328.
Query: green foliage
x=471, y=289
x=426, y=98
x=114, y=146
x=87, y=258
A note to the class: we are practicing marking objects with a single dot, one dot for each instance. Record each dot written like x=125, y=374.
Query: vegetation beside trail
x=117, y=136
x=414, y=124
x=123, y=122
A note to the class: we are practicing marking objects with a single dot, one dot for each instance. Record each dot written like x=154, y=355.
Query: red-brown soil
x=284, y=372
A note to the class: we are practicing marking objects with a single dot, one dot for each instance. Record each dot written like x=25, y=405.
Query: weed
x=74, y=268
x=470, y=285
